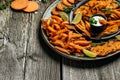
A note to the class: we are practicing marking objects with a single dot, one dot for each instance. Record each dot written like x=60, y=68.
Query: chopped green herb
x=107, y=10
x=67, y=9
x=118, y=1
x=4, y=4
x=98, y=43
x=45, y=1
x=93, y=21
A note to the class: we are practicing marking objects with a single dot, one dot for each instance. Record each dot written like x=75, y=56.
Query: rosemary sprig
x=4, y=4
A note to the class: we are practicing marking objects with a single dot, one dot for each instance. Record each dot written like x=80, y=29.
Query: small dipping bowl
x=96, y=26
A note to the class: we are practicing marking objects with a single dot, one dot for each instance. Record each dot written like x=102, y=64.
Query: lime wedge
x=118, y=37
x=64, y=16
x=77, y=18
x=89, y=53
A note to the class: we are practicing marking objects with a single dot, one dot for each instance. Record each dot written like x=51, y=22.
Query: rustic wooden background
x=25, y=56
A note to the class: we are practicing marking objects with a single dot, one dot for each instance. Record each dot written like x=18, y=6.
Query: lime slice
x=77, y=18
x=89, y=53
x=64, y=16
x=118, y=37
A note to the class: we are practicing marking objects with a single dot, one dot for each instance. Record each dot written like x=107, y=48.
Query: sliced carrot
x=19, y=4
x=32, y=6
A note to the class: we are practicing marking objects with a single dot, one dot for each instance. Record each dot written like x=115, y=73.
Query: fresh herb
x=107, y=10
x=118, y=1
x=4, y=4
x=67, y=9
x=93, y=21
x=45, y=1
x=98, y=43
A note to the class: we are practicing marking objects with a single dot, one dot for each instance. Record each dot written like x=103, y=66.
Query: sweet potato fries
x=109, y=8
x=64, y=37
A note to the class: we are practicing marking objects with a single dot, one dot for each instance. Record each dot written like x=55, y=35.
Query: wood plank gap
x=61, y=68
x=26, y=56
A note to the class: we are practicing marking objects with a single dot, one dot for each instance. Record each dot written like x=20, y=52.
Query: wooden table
x=25, y=56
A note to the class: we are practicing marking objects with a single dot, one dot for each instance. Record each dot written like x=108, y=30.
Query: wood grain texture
x=13, y=42
x=41, y=63
x=107, y=69
x=23, y=55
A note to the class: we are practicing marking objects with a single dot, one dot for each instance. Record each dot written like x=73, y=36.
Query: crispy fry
x=71, y=1
x=110, y=29
x=75, y=35
x=58, y=19
x=65, y=2
x=82, y=43
x=56, y=26
x=76, y=46
x=51, y=29
x=60, y=6
x=62, y=49
x=87, y=25
x=55, y=11
x=58, y=43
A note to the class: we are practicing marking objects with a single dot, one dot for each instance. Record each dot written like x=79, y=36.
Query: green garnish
x=118, y=2
x=67, y=9
x=45, y=1
x=93, y=21
x=4, y=4
x=98, y=43
x=107, y=10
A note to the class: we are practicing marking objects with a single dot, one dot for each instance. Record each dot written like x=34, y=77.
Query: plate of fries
x=68, y=39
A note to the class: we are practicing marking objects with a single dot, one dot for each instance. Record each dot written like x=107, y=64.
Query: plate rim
x=44, y=36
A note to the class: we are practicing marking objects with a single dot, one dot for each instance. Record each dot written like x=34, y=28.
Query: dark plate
x=47, y=14
x=95, y=37
x=106, y=36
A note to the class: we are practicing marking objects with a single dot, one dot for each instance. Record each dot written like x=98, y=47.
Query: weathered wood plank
x=41, y=62
x=13, y=41
x=107, y=69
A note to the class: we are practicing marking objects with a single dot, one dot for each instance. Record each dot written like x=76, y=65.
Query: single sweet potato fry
x=32, y=6
x=19, y=4
x=62, y=49
x=71, y=1
x=82, y=43
x=55, y=11
x=58, y=19
x=65, y=2
x=103, y=22
x=60, y=6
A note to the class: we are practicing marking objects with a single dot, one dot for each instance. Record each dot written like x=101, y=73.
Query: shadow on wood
x=91, y=64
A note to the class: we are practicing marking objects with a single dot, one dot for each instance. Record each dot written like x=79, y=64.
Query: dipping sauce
x=95, y=20
x=96, y=26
